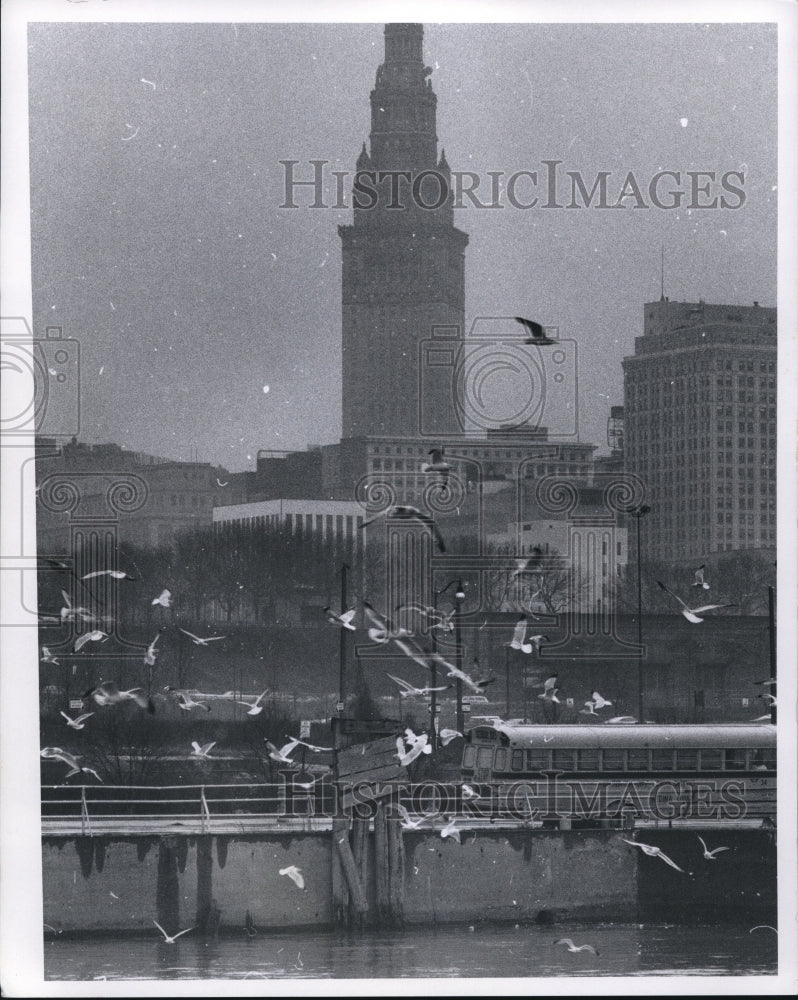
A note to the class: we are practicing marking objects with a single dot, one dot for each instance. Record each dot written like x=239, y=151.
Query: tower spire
x=662, y=274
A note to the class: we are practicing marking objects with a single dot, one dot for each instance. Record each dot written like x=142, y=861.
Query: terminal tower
x=403, y=260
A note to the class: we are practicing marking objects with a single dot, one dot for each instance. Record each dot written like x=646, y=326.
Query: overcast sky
x=159, y=243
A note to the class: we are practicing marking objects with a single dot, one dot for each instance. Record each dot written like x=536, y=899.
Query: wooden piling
x=358, y=901
x=340, y=892
x=381, y=866
x=396, y=856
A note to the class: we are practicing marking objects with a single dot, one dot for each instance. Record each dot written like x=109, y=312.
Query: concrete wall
x=522, y=875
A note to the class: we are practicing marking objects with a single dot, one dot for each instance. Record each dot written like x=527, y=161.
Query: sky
x=209, y=318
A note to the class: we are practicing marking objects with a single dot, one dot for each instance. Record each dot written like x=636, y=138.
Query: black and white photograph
x=398, y=499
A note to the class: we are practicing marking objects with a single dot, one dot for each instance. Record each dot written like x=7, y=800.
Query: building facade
x=700, y=427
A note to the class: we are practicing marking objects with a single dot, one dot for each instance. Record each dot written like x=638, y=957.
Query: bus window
x=501, y=760
x=485, y=757
x=662, y=760
x=763, y=760
x=588, y=760
x=537, y=760
x=711, y=760
x=518, y=760
x=686, y=760
x=734, y=760
x=469, y=756
x=614, y=760
x=638, y=760
x=562, y=760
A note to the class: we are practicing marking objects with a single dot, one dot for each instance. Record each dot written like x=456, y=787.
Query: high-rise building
x=700, y=427
x=403, y=259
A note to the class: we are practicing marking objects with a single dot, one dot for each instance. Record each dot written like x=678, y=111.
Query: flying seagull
x=710, y=855
x=171, y=940
x=407, y=822
x=699, y=578
x=620, y=720
x=117, y=574
x=149, y=656
x=253, y=707
x=202, y=751
x=79, y=722
x=403, y=512
x=202, y=642
x=655, y=852
x=344, y=619
x=447, y=735
x=408, y=691
x=281, y=755
x=451, y=830
x=47, y=656
x=164, y=599
x=295, y=874
x=56, y=753
x=691, y=614
x=577, y=947
x=537, y=334
x=185, y=701
x=94, y=636
x=598, y=701
x=107, y=693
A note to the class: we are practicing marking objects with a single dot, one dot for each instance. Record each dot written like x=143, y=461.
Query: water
x=429, y=952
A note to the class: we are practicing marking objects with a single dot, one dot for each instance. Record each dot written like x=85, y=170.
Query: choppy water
x=452, y=951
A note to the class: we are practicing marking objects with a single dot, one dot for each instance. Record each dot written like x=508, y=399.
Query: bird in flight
x=577, y=947
x=655, y=852
x=344, y=619
x=185, y=701
x=451, y=830
x=117, y=574
x=598, y=701
x=447, y=735
x=620, y=720
x=519, y=636
x=47, y=656
x=699, y=578
x=408, y=691
x=56, y=753
x=202, y=642
x=95, y=636
x=710, y=855
x=171, y=940
x=313, y=748
x=382, y=628
x=443, y=621
x=691, y=614
x=164, y=599
x=295, y=874
x=536, y=332
x=403, y=512
x=253, y=707
x=202, y=751
x=149, y=656
x=107, y=693
x=282, y=755
x=589, y=709
x=79, y=722
x=417, y=745
x=407, y=822
x=68, y=613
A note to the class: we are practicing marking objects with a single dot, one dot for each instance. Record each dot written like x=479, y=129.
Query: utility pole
x=341, y=662
x=638, y=513
x=458, y=598
x=772, y=634
x=507, y=680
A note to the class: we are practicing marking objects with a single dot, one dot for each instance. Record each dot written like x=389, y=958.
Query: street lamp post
x=459, y=597
x=638, y=513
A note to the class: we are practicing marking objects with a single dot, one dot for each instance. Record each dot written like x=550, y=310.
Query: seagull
x=577, y=947
x=201, y=642
x=79, y=722
x=620, y=720
x=699, y=578
x=295, y=874
x=759, y=927
x=710, y=855
x=447, y=735
x=598, y=701
x=771, y=696
x=311, y=747
x=344, y=619
x=220, y=483
x=451, y=830
x=186, y=702
x=47, y=656
x=68, y=613
x=766, y=683
x=171, y=940
x=469, y=793
x=253, y=707
x=409, y=691
x=536, y=331
x=655, y=852
x=56, y=753
x=94, y=636
x=149, y=656
x=203, y=751
x=117, y=574
x=437, y=464
x=550, y=694
x=589, y=709
x=382, y=628
x=281, y=755
x=407, y=822
x=107, y=693
x=519, y=634
x=417, y=746
x=691, y=614
x=406, y=513
x=442, y=621
x=164, y=599
x=151, y=84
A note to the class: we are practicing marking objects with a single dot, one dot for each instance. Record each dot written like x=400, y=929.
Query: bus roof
x=720, y=736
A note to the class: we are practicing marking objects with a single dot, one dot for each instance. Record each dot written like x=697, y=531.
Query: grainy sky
x=158, y=240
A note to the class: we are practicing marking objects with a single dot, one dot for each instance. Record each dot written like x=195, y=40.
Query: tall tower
x=403, y=259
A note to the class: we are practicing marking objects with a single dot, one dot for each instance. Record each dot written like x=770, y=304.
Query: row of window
x=503, y=761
